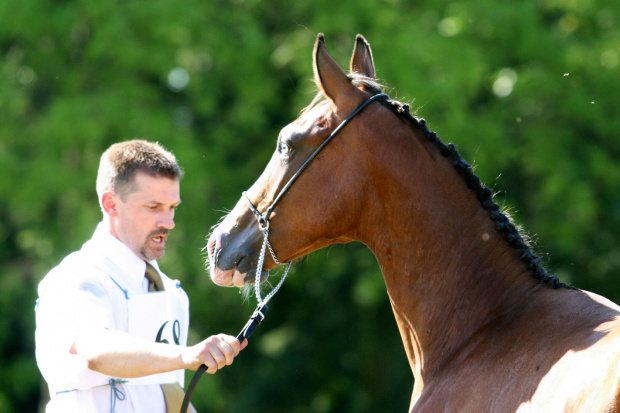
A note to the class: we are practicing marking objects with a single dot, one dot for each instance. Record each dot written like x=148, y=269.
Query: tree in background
x=527, y=91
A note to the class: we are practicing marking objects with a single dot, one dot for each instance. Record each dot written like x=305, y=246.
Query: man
x=111, y=327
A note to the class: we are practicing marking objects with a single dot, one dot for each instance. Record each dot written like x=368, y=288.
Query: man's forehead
x=156, y=186
x=147, y=179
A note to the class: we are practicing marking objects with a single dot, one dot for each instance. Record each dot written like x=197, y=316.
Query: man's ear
x=109, y=202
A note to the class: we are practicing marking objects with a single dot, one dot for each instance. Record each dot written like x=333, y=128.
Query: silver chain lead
x=259, y=269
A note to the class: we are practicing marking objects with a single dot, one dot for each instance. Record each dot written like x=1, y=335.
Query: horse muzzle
x=233, y=259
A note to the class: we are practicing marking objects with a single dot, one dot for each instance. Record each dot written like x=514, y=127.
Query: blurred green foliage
x=527, y=91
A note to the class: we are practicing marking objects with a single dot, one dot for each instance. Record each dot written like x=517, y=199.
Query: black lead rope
x=246, y=332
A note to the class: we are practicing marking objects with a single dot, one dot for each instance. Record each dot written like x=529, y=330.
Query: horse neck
x=447, y=270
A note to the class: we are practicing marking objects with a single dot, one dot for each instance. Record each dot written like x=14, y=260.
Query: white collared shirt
x=83, y=292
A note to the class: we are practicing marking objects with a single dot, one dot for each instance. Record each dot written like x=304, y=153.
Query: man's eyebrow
x=155, y=202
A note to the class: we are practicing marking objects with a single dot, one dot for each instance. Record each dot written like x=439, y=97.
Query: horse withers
x=485, y=328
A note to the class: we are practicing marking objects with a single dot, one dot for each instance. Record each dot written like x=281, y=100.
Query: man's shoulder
x=76, y=271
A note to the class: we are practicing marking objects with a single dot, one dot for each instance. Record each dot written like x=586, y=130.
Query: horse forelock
x=503, y=222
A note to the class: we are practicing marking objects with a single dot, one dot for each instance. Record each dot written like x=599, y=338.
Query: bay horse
x=484, y=326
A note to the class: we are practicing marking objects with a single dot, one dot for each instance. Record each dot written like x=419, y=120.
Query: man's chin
x=151, y=254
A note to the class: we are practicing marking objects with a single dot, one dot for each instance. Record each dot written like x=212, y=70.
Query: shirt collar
x=133, y=267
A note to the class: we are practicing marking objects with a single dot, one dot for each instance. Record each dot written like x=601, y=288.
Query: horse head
x=324, y=204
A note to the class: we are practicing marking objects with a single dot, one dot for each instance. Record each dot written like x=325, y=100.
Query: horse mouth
x=239, y=274
x=228, y=278
x=234, y=277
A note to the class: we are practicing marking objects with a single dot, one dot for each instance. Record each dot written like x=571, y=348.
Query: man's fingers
x=219, y=357
x=220, y=351
x=210, y=362
x=227, y=351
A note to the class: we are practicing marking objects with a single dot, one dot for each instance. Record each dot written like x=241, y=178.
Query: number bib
x=158, y=316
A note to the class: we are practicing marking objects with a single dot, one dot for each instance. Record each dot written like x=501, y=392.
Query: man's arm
x=116, y=353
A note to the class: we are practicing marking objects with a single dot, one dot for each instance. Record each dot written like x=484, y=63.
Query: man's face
x=143, y=220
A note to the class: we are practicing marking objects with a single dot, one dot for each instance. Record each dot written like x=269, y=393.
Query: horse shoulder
x=558, y=355
x=587, y=376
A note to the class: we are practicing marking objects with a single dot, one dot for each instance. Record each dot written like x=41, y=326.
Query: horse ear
x=331, y=79
x=361, y=61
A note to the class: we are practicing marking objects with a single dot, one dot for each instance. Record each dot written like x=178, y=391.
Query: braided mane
x=484, y=194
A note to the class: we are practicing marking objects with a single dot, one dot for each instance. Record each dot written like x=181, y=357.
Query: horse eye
x=284, y=148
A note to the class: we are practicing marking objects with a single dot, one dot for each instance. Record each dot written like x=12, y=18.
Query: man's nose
x=167, y=220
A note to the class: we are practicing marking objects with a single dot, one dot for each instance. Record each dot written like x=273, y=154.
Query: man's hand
x=215, y=352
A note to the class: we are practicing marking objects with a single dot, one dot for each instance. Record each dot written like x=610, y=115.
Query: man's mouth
x=159, y=237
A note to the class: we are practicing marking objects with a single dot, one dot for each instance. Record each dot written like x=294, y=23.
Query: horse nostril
x=212, y=253
x=215, y=255
x=241, y=258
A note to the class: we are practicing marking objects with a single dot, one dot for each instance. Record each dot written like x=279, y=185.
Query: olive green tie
x=173, y=392
x=155, y=282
